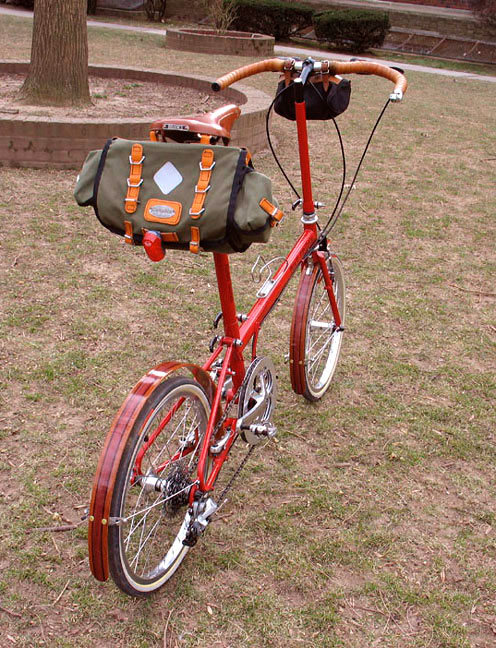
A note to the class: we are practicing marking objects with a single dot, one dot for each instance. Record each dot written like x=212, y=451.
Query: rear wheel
x=150, y=498
x=315, y=342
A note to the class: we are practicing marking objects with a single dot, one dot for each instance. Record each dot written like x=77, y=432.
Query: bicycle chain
x=222, y=496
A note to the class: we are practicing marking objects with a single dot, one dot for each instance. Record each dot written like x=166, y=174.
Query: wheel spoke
x=318, y=340
x=142, y=542
x=152, y=506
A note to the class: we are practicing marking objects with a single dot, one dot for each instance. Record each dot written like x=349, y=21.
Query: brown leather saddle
x=205, y=128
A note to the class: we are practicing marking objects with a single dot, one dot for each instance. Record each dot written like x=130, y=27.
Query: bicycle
x=154, y=490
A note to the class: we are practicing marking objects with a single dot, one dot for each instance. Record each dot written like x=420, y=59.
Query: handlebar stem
x=307, y=69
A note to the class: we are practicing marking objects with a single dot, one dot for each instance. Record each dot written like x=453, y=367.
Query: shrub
x=272, y=17
x=352, y=29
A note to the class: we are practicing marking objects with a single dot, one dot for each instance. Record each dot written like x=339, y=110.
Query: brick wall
x=209, y=42
x=37, y=143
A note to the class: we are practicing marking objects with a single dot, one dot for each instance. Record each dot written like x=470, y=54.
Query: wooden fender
x=113, y=448
x=298, y=329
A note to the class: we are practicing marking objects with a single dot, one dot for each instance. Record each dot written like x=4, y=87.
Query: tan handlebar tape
x=368, y=67
x=335, y=67
x=269, y=65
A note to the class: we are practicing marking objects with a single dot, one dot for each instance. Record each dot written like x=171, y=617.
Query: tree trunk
x=58, y=74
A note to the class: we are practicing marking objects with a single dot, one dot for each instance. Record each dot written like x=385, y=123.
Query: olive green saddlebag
x=195, y=196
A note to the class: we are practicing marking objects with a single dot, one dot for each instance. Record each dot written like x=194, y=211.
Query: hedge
x=272, y=17
x=352, y=29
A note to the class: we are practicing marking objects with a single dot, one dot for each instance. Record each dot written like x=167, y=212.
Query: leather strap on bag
x=274, y=212
x=135, y=180
x=128, y=232
x=325, y=75
x=194, y=245
x=288, y=66
x=167, y=237
x=203, y=185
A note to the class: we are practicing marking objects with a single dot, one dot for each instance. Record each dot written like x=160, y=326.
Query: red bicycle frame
x=142, y=480
x=236, y=336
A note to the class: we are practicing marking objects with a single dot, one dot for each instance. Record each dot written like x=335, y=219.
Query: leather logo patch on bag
x=163, y=211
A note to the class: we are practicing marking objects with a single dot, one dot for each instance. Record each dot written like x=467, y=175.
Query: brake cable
x=335, y=215
x=338, y=208
x=269, y=140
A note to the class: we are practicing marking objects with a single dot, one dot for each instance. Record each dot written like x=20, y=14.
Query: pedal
x=253, y=434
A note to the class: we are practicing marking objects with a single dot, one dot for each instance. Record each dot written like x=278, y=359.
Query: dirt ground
x=113, y=98
x=371, y=523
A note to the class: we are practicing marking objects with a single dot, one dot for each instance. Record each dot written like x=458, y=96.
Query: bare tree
x=155, y=9
x=58, y=74
x=222, y=12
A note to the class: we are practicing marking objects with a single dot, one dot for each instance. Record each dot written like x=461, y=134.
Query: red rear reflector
x=152, y=243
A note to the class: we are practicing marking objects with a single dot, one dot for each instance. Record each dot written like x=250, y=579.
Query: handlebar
x=335, y=67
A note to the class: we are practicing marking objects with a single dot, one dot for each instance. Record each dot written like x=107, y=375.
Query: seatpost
x=231, y=324
x=301, y=126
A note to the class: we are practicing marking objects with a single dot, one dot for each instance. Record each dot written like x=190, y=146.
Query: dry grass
x=379, y=529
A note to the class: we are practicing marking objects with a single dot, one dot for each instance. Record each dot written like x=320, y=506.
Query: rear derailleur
x=200, y=513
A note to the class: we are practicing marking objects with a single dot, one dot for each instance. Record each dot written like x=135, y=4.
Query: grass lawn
x=372, y=521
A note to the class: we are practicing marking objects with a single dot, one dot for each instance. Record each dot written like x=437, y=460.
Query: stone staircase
x=427, y=43
x=426, y=30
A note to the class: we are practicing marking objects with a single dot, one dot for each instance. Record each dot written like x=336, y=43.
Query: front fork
x=321, y=258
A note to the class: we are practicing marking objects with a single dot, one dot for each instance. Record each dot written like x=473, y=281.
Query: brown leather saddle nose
x=216, y=125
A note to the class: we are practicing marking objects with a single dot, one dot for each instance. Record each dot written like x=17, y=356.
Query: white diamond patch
x=167, y=178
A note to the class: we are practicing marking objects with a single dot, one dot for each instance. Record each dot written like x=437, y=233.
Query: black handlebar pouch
x=320, y=104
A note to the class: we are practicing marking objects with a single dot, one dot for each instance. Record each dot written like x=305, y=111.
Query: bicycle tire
x=144, y=554
x=315, y=341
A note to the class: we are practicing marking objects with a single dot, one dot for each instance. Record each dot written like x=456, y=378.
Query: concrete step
x=449, y=22
x=428, y=43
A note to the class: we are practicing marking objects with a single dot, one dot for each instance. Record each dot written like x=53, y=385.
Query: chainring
x=257, y=399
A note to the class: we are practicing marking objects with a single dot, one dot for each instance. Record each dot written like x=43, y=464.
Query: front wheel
x=315, y=341
x=150, y=497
